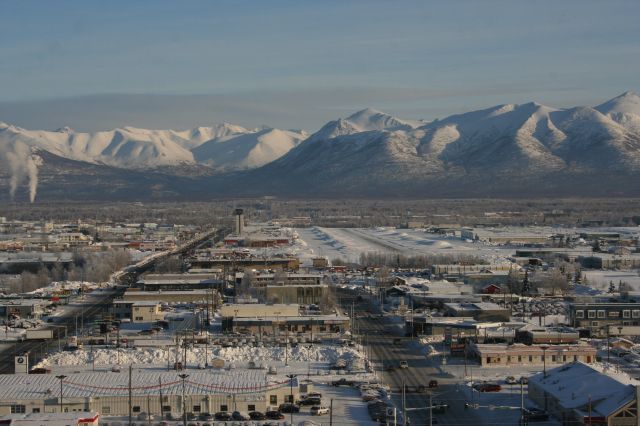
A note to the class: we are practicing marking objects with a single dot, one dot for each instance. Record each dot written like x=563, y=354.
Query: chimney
x=239, y=221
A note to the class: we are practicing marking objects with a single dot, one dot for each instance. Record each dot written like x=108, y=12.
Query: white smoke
x=22, y=166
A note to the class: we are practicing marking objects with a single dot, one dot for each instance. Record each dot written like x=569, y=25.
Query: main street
x=380, y=335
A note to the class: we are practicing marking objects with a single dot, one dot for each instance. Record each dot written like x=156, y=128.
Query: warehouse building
x=155, y=392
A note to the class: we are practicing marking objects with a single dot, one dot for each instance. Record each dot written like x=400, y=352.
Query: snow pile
x=157, y=356
x=57, y=286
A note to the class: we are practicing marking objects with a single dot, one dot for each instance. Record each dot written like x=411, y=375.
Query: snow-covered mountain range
x=512, y=149
x=225, y=146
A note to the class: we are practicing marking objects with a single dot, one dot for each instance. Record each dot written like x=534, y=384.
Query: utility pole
x=608, y=347
x=160, y=389
x=331, y=413
x=61, y=377
x=130, y=394
x=521, y=402
x=149, y=409
x=184, y=403
x=291, y=377
x=430, y=409
x=404, y=405
x=286, y=349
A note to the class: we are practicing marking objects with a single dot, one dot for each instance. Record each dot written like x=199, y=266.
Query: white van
x=317, y=410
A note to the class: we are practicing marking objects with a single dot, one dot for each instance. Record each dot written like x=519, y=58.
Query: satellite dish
x=20, y=360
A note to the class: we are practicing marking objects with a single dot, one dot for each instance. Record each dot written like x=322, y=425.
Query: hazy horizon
x=94, y=66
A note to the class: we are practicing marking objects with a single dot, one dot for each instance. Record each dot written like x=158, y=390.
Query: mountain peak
x=626, y=103
x=367, y=112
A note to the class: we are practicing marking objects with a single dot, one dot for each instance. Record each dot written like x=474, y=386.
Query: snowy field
x=349, y=243
x=601, y=279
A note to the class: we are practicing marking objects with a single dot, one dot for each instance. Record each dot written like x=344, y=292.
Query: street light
x=291, y=377
x=184, y=403
x=309, y=362
x=61, y=377
x=544, y=360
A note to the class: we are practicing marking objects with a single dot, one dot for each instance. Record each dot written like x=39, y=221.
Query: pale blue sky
x=301, y=63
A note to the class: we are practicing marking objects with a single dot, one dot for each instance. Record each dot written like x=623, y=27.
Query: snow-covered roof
x=144, y=382
x=574, y=385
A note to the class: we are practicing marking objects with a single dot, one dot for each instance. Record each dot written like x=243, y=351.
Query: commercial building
x=491, y=355
x=138, y=311
x=481, y=311
x=279, y=319
x=304, y=289
x=547, y=335
x=597, y=317
x=22, y=308
x=258, y=310
x=311, y=325
x=610, y=261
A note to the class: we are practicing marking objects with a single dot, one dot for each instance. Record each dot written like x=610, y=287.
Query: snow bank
x=160, y=356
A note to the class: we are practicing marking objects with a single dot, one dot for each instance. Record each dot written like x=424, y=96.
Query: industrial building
x=169, y=282
x=152, y=391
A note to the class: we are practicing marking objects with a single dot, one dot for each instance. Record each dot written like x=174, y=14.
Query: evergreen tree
x=525, y=284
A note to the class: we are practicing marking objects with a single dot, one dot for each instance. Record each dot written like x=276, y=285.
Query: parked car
x=311, y=401
x=342, y=382
x=288, y=407
x=535, y=415
x=318, y=410
x=404, y=364
x=510, y=380
x=257, y=415
x=487, y=387
x=239, y=415
x=433, y=384
x=222, y=415
x=524, y=380
x=206, y=417
x=274, y=415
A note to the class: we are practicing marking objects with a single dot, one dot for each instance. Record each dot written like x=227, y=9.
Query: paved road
x=379, y=334
x=91, y=309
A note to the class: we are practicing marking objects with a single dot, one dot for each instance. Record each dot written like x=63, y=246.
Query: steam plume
x=22, y=165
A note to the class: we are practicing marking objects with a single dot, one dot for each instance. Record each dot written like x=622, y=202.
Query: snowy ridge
x=248, y=150
x=506, y=141
x=135, y=148
x=503, y=150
